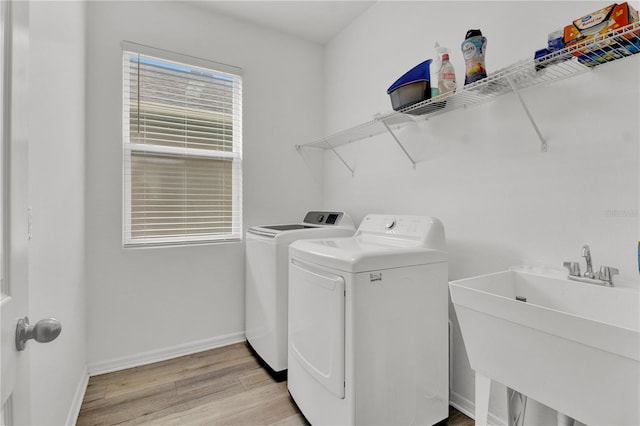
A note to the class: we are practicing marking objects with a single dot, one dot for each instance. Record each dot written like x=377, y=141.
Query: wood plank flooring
x=223, y=386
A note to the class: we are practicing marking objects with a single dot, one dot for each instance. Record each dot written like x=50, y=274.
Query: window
x=182, y=145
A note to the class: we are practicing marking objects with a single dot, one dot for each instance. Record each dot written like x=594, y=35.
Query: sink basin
x=572, y=346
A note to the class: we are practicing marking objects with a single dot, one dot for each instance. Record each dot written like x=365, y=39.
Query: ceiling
x=317, y=21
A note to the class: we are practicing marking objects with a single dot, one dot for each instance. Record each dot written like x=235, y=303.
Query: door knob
x=44, y=331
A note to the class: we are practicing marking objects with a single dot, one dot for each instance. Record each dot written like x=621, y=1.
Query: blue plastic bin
x=413, y=87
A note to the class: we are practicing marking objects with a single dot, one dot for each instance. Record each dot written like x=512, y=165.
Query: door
x=14, y=221
x=317, y=324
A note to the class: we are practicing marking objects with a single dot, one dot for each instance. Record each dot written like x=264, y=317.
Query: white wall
x=56, y=196
x=145, y=301
x=480, y=170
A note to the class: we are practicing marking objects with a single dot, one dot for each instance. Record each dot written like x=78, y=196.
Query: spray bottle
x=446, y=76
x=436, y=65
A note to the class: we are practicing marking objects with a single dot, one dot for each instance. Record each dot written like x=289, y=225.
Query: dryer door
x=316, y=323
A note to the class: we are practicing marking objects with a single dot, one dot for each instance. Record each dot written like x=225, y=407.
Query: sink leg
x=516, y=407
x=564, y=420
x=483, y=389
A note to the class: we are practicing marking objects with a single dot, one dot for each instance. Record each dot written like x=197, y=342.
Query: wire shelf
x=570, y=61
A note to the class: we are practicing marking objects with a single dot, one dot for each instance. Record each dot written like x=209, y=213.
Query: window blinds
x=182, y=123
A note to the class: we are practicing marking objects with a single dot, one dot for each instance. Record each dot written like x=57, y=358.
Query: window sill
x=159, y=245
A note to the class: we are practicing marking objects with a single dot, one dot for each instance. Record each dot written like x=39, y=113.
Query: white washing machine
x=368, y=324
x=266, y=280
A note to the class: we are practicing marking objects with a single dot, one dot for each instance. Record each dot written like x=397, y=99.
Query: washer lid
x=313, y=221
x=355, y=255
x=295, y=233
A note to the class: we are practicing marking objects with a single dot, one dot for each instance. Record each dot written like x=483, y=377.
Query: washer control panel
x=324, y=218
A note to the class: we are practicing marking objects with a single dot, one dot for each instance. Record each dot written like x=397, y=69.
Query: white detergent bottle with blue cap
x=473, y=49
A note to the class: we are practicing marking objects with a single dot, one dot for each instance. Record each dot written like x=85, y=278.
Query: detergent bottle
x=473, y=49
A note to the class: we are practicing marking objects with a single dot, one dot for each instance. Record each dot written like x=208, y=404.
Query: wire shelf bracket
x=340, y=157
x=329, y=146
x=395, y=138
x=543, y=142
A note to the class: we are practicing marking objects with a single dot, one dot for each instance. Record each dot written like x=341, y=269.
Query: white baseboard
x=468, y=408
x=462, y=404
x=150, y=357
x=78, y=397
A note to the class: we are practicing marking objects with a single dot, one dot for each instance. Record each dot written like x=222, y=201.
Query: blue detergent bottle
x=473, y=49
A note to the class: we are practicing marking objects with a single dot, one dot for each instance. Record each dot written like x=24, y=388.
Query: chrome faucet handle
x=573, y=267
x=606, y=274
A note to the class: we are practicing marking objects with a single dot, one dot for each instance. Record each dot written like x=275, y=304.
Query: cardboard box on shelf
x=580, y=34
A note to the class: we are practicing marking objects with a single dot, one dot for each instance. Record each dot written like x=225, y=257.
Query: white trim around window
x=182, y=149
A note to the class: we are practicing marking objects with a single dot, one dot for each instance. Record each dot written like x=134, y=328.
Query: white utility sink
x=572, y=346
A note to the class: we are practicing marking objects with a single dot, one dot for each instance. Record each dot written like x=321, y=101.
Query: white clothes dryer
x=368, y=324
x=266, y=280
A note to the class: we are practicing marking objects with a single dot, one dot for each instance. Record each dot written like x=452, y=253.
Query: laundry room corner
x=188, y=295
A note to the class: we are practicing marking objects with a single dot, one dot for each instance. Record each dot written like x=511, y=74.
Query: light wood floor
x=223, y=386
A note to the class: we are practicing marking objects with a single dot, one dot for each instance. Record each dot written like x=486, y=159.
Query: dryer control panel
x=423, y=231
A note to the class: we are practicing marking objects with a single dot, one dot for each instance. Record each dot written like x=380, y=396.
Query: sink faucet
x=586, y=253
x=603, y=277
